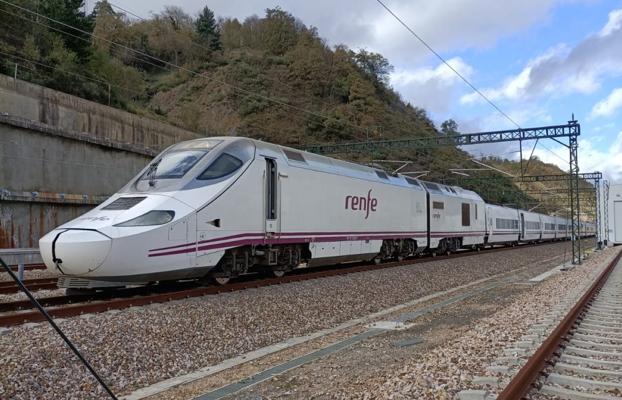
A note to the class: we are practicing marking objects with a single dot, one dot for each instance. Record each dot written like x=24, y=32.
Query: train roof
x=304, y=159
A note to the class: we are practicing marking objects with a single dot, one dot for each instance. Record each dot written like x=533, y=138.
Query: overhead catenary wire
x=97, y=80
x=125, y=10
x=462, y=77
x=554, y=153
x=171, y=64
x=203, y=75
x=75, y=36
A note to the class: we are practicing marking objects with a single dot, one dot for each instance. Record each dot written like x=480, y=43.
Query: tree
x=108, y=25
x=70, y=13
x=374, y=65
x=208, y=29
x=449, y=128
x=230, y=33
x=170, y=36
x=176, y=16
x=279, y=31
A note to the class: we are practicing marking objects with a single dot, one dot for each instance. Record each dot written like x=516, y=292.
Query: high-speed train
x=220, y=207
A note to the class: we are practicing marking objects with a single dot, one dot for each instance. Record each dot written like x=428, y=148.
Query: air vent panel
x=124, y=203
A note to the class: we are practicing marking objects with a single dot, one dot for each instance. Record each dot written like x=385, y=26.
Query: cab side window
x=224, y=165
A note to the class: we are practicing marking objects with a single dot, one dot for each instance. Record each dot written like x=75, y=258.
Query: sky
x=540, y=61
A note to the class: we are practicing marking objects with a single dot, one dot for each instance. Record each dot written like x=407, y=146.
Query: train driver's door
x=271, y=197
x=522, y=225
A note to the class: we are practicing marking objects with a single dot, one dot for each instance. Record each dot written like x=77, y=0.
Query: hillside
x=270, y=77
x=551, y=196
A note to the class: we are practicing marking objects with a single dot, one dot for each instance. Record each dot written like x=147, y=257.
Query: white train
x=224, y=206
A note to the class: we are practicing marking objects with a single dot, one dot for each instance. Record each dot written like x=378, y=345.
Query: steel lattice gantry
x=598, y=190
x=571, y=130
x=547, y=132
x=596, y=176
x=574, y=192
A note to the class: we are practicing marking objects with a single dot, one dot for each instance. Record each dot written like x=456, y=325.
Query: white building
x=614, y=208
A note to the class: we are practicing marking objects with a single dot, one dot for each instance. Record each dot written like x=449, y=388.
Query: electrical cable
x=47, y=316
x=462, y=77
x=280, y=82
x=66, y=72
x=168, y=63
x=476, y=90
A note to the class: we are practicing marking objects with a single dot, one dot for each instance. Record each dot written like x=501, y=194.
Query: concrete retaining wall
x=60, y=155
x=71, y=113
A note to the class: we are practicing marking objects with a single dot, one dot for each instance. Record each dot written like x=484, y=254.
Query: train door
x=271, y=197
x=522, y=225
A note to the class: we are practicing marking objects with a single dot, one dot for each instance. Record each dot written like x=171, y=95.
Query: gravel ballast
x=29, y=274
x=139, y=346
x=446, y=370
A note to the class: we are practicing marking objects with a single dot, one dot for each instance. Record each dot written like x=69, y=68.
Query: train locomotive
x=219, y=207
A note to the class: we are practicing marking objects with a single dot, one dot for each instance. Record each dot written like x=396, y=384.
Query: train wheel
x=221, y=279
x=377, y=260
x=278, y=273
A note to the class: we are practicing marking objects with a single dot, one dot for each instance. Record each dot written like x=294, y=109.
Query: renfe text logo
x=360, y=203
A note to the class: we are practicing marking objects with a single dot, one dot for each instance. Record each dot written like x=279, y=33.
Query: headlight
x=157, y=217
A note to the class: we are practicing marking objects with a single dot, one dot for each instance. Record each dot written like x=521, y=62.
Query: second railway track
x=582, y=358
x=8, y=287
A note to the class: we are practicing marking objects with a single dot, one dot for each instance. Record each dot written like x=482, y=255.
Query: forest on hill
x=269, y=77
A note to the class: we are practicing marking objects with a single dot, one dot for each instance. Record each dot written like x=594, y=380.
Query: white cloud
x=447, y=25
x=562, y=70
x=431, y=88
x=613, y=24
x=591, y=159
x=609, y=105
x=527, y=116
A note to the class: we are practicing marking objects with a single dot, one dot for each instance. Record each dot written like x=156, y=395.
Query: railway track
x=19, y=312
x=582, y=358
x=27, y=267
x=8, y=287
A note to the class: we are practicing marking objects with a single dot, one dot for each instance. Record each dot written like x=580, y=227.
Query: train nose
x=76, y=252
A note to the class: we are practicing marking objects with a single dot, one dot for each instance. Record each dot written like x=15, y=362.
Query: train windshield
x=169, y=170
x=173, y=164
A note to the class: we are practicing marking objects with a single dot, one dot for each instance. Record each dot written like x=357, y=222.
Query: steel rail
x=27, y=282
x=27, y=267
x=525, y=379
x=99, y=303
x=32, y=285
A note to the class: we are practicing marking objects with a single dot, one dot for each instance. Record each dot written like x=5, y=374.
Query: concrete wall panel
x=34, y=161
x=64, y=147
x=61, y=110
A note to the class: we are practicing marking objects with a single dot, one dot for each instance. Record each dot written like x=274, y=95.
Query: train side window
x=294, y=156
x=476, y=211
x=438, y=205
x=412, y=181
x=466, y=214
x=432, y=186
x=382, y=174
x=224, y=165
